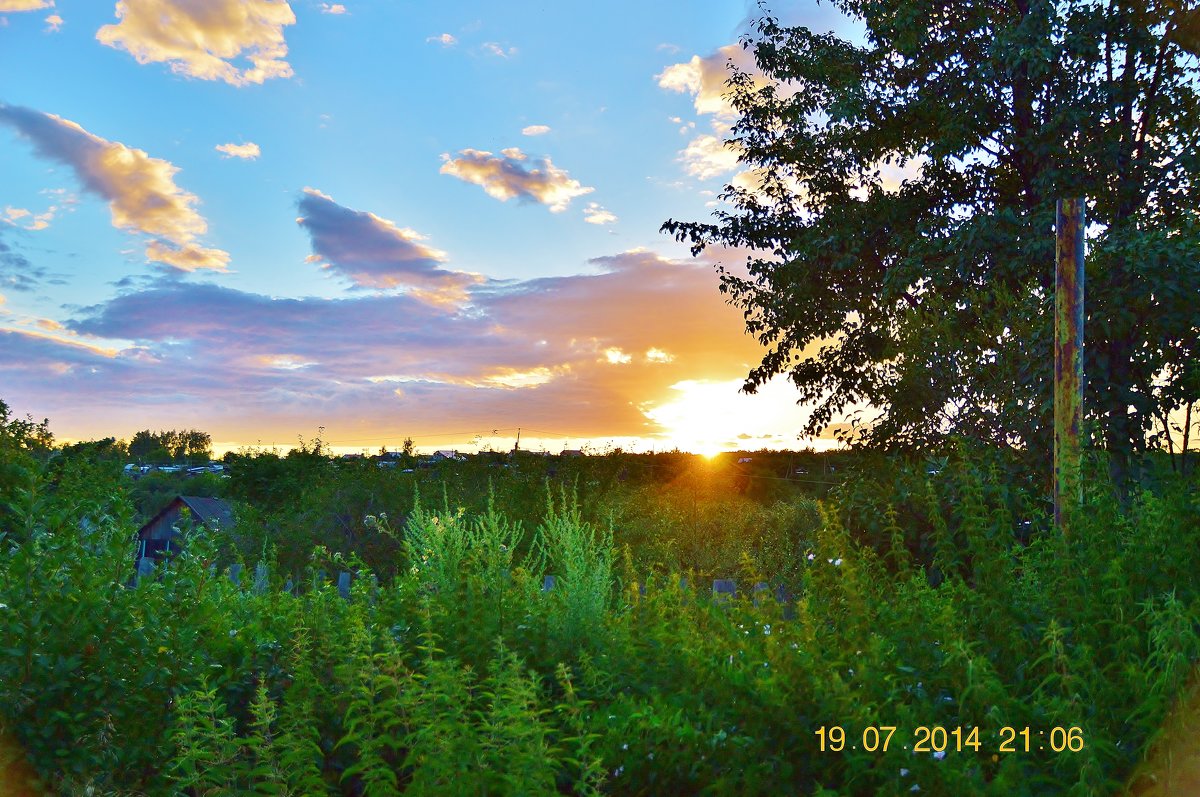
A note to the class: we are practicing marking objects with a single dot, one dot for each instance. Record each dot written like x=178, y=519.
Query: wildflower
x=915, y=787
x=370, y=521
x=903, y=773
x=812, y=556
x=766, y=629
x=625, y=746
x=837, y=562
x=617, y=772
x=939, y=754
x=3, y=606
x=650, y=756
x=383, y=516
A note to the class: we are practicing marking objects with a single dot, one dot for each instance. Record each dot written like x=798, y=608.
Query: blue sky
x=385, y=219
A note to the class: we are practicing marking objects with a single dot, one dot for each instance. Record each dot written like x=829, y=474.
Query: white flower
x=370, y=521
x=812, y=556
x=915, y=787
x=837, y=562
x=767, y=629
x=3, y=605
x=617, y=772
x=939, y=754
x=625, y=746
x=904, y=773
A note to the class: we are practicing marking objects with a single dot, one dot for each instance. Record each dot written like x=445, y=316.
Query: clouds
x=24, y=5
x=333, y=8
x=140, y=190
x=512, y=175
x=704, y=78
x=708, y=156
x=205, y=40
x=247, y=151
x=372, y=252
x=589, y=353
x=596, y=214
x=445, y=39
x=535, y=130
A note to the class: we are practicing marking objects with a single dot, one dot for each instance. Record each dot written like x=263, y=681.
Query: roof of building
x=209, y=511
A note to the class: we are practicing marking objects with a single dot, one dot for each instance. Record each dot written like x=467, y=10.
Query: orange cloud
x=535, y=130
x=24, y=5
x=203, y=40
x=506, y=176
x=247, y=151
x=54, y=23
x=334, y=8
x=140, y=190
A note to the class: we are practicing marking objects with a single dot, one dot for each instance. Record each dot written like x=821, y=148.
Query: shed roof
x=209, y=511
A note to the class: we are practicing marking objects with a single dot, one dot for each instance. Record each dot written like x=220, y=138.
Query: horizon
x=387, y=222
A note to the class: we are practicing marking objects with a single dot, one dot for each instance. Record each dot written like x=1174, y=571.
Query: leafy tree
x=931, y=300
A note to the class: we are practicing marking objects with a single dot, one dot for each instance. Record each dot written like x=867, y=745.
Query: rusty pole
x=1068, y=358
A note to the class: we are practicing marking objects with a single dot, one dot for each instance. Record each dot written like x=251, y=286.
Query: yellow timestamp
x=940, y=739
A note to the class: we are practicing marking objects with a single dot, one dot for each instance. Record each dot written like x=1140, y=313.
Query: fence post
x=344, y=585
x=1070, y=222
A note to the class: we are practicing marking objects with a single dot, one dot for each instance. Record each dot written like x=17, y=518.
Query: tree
x=931, y=301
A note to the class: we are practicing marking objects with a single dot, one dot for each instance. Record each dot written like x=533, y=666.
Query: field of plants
x=921, y=596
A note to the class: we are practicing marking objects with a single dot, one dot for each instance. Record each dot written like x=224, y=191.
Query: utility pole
x=517, y=445
x=1068, y=358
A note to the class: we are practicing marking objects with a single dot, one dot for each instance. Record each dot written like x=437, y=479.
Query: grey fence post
x=260, y=578
x=724, y=589
x=344, y=585
x=145, y=568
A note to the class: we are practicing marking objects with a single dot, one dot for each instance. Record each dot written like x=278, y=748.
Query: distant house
x=571, y=452
x=158, y=535
x=446, y=454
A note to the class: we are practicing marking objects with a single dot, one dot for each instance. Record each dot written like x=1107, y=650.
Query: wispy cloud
x=535, y=130
x=140, y=190
x=512, y=175
x=333, y=8
x=444, y=39
x=498, y=50
x=54, y=23
x=247, y=151
x=372, y=252
x=206, y=40
x=595, y=214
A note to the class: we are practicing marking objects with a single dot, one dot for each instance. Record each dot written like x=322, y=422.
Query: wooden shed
x=159, y=535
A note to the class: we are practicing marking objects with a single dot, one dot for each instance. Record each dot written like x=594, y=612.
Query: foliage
x=458, y=674
x=185, y=445
x=930, y=298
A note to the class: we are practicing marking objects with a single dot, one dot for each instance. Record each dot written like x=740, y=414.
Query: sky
x=372, y=220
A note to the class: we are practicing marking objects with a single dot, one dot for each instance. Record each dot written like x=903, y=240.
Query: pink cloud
x=512, y=175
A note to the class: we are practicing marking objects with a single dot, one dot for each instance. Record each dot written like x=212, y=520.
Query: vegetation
x=921, y=593
x=903, y=196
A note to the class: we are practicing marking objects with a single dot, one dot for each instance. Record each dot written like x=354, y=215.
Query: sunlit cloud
x=595, y=214
x=140, y=190
x=247, y=151
x=24, y=5
x=656, y=355
x=373, y=252
x=535, y=130
x=445, y=39
x=333, y=8
x=708, y=156
x=704, y=78
x=615, y=356
x=211, y=40
x=54, y=23
x=512, y=175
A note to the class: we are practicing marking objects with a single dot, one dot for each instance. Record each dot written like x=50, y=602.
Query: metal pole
x=1068, y=358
